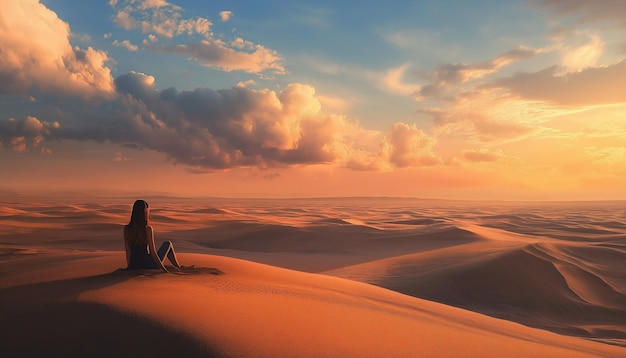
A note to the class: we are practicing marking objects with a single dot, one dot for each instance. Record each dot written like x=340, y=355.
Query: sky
x=505, y=100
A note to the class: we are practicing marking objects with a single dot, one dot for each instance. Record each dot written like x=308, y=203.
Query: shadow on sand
x=46, y=319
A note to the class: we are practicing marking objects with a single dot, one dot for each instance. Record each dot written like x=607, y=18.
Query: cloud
x=586, y=55
x=39, y=56
x=218, y=54
x=217, y=129
x=483, y=155
x=408, y=146
x=119, y=157
x=164, y=23
x=591, y=86
x=225, y=15
x=393, y=81
x=158, y=17
x=587, y=11
x=126, y=44
x=454, y=74
x=28, y=132
x=475, y=122
x=227, y=128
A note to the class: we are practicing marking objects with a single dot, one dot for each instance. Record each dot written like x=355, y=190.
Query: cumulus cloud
x=218, y=129
x=225, y=15
x=408, y=146
x=594, y=85
x=158, y=17
x=205, y=129
x=126, y=44
x=162, y=20
x=28, y=132
x=36, y=54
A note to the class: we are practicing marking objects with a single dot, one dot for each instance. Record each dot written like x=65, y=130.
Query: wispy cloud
x=591, y=86
x=483, y=155
x=450, y=75
x=119, y=157
x=394, y=81
x=228, y=57
x=587, y=11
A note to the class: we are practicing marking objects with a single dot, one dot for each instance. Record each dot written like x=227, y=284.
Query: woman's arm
x=152, y=247
x=127, y=246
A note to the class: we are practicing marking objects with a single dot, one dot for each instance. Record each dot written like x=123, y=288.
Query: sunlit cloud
x=448, y=76
x=408, y=146
x=158, y=17
x=591, y=86
x=225, y=15
x=40, y=57
x=125, y=44
x=578, y=58
x=218, y=54
x=237, y=127
x=394, y=81
x=483, y=155
x=161, y=20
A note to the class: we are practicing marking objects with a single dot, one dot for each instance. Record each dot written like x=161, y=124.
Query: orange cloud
x=225, y=15
x=453, y=74
x=119, y=157
x=591, y=86
x=36, y=53
x=408, y=146
x=483, y=155
x=126, y=44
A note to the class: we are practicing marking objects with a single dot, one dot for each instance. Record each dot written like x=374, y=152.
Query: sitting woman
x=139, y=242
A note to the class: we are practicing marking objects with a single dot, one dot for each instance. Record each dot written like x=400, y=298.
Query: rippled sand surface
x=556, y=266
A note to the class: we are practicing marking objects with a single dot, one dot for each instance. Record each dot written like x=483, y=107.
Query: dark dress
x=140, y=258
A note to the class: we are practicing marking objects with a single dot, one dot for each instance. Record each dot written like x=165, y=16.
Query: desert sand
x=317, y=277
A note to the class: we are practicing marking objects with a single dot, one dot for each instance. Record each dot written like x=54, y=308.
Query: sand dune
x=231, y=307
x=540, y=284
x=554, y=266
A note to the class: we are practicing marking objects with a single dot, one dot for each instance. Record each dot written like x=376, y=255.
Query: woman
x=139, y=242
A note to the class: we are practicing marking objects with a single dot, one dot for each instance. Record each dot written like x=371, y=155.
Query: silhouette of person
x=139, y=242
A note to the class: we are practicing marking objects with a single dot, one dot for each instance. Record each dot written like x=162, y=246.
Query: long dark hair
x=135, y=230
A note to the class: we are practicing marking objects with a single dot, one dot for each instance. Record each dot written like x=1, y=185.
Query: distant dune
x=380, y=279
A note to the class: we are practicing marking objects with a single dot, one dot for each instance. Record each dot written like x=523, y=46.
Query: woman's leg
x=167, y=249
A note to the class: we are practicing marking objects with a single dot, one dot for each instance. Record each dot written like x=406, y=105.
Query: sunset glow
x=481, y=100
